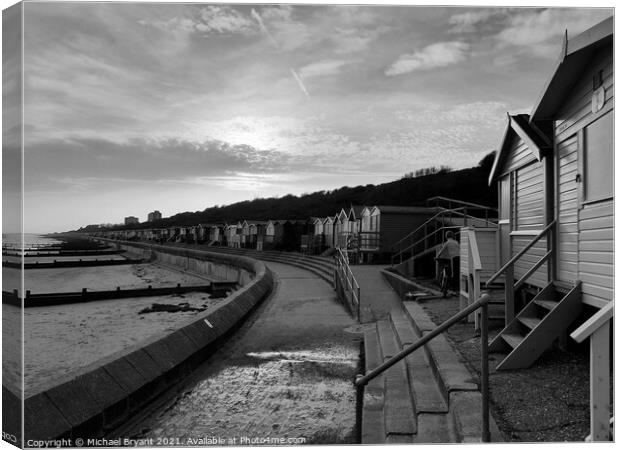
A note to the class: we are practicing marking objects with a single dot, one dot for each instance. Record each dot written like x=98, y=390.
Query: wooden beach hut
x=328, y=231
x=555, y=238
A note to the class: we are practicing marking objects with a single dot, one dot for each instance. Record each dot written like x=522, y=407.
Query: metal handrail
x=482, y=304
x=452, y=200
x=455, y=211
x=512, y=260
x=429, y=220
x=342, y=265
x=434, y=232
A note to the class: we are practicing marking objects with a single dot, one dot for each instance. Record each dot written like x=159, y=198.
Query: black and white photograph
x=286, y=224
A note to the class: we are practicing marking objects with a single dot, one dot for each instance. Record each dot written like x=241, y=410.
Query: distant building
x=153, y=216
x=131, y=220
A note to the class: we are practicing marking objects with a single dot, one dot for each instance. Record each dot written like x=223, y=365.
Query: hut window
x=598, y=159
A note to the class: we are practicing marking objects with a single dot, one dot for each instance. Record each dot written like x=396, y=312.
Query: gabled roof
x=356, y=211
x=369, y=209
x=574, y=59
x=328, y=219
x=519, y=125
x=342, y=214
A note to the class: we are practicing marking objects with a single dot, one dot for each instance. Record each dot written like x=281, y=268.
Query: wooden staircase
x=534, y=329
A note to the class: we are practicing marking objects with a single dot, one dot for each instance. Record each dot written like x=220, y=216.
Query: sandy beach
x=62, y=338
x=73, y=279
x=11, y=347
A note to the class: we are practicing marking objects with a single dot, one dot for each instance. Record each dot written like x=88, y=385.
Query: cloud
x=435, y=55
x=223, y=19
x=467, y=22
x=209, y=20
x=323, y=68
x=157, y=159
x=536, y=27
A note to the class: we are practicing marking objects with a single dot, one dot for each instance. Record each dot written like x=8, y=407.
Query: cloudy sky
x=176, y=107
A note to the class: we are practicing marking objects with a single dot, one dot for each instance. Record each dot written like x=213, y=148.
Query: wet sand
x=62, y=338
x=287, y=373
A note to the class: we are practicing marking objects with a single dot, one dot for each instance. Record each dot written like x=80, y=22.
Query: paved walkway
x=287, y=373
x=378, y=297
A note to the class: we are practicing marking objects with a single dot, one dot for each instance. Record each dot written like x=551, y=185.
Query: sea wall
x=224, y=267
x=91, y=401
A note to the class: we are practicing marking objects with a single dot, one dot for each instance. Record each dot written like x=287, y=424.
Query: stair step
x=427, y=396
x=512, y=339
x=372, y=350
x=373, y=425
x=530, y=322
x=404, y=330
x=399, y=412
x=373, y=417
x=389, y=346
x=547, y=304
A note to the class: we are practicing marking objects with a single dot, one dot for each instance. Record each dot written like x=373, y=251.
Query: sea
x=30, y=239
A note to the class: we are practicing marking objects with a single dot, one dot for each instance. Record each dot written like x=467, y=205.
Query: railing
x=597, y=328
x=482, y=304
x=450, y=203
x=508, y=270
x=474, y=267
x=369, y=240
x=345, y=283
x=446, y=215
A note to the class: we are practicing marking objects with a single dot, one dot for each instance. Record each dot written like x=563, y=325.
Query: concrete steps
x=395, y=401
x=320, y=266
x=429, y=397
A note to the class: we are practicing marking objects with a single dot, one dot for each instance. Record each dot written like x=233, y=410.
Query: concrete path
x=378, y=297
x=287, y=373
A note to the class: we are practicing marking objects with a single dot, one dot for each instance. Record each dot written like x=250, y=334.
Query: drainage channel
x=285, y=377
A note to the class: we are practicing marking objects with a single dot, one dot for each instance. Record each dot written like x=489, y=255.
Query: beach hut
x=382, y=226
x=555, y=177
x=256, y=234
x=341, y=229
x=274, y=231
x=317, y=243
x=328, y=231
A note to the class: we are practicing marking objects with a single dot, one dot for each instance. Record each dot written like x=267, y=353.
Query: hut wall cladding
x=528, y=210
x=486, y=238
x=567, y=256
x=519, y=155
x=586, y=238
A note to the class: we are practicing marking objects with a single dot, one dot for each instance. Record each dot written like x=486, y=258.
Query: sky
x=134, y=107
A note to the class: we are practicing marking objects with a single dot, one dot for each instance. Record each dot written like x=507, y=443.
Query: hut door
x=505, y=206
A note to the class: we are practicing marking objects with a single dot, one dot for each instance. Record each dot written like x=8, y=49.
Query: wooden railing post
x=484, y=372
x=510, y=294
x=600, y=407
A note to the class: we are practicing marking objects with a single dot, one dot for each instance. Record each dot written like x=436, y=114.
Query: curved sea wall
x=224, y=267
x=91, y=401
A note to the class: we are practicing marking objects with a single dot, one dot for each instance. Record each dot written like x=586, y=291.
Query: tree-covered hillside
x=468, y=184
